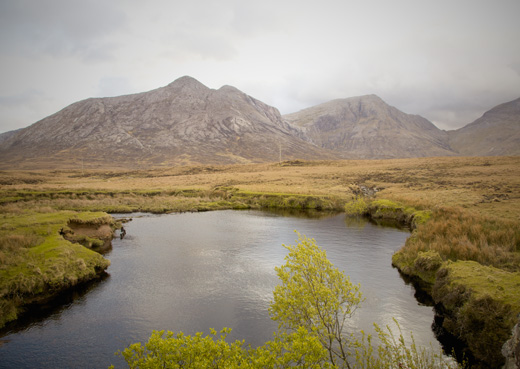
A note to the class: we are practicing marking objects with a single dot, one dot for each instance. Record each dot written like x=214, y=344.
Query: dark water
x=191, y=272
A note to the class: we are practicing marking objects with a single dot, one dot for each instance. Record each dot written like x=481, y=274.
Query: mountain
x=182, y=123
x=497, y=132
x=368, y=128
x=7, y=135
x=186, y=122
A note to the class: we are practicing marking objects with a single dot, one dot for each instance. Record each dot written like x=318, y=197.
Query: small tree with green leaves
x=179, y=351
x=311, y=305
x=317, y=296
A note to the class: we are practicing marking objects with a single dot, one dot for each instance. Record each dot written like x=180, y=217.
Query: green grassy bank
x=468, y=263
x=37, y=262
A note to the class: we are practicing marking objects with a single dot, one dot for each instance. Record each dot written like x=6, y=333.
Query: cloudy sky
x=447, y=60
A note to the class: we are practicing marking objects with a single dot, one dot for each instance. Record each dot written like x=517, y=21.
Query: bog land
x=464, y=249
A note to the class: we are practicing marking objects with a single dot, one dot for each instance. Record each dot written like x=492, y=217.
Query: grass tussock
x=456, y=234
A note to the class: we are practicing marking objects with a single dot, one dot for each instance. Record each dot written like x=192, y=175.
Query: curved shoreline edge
x=61, y=257
x=464, y=292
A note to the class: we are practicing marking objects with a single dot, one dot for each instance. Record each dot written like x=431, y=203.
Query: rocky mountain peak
x=367, y=127
x=187, y=82
x=184, y=122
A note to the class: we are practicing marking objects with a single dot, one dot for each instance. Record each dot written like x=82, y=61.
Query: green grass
x=481, y=304
x=391, y=210
x=37, y=261
x=486, y=281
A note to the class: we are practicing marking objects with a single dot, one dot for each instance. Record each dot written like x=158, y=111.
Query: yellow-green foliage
x=315, y=295
x=37, y=261
x=356, y=207
x=170, y=350
x=387, y=209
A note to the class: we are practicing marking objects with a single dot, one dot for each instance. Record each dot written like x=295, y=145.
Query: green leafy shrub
x=356, y=207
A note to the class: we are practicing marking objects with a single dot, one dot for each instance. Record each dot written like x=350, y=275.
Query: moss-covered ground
x=36, y=261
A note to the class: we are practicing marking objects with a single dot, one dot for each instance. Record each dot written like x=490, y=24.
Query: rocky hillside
x=496, y=133
x=189, y=123
x=182, y=123
x=366, y=127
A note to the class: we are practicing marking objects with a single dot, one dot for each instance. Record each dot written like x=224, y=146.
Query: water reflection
x=194, y=271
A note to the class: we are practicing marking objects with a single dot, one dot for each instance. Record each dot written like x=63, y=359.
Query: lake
x=191, y=272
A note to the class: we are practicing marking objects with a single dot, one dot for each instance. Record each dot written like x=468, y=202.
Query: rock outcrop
x=511, y=349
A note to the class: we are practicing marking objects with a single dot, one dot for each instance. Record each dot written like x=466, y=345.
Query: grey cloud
x=58, y=27
x=447, y=61
x=113, y=86
x=515, y=66
x=20, y=110
x=25, y=98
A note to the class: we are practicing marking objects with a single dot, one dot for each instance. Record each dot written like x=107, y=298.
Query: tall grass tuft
x=461, y=235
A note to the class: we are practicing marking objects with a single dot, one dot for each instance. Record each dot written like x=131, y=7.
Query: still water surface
x=194, y=271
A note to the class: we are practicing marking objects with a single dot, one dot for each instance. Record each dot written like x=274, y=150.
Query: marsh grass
x=456, y=234
x=461, y=210
x=470, y=264
x=35, y=260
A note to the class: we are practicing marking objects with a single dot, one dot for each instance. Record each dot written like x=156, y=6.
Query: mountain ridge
x=495, y=133
x=185, y=122
x=368, y=127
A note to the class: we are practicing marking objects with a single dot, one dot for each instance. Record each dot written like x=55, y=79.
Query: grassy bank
x=37, y=262
x=464, y=212
x=164, y=201
x=467, y=262
x=470, y=265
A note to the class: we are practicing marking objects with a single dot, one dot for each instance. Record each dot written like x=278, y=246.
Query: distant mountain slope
x=7, y=135
x=189, y=123
x=367, y=127
x=497, y=132
x=184, y=122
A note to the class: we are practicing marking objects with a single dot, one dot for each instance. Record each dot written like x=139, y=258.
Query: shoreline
x=464, y=214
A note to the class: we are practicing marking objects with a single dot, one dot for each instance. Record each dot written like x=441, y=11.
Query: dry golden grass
x=489, y=185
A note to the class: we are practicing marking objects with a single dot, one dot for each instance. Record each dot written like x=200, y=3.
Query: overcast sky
x=447, y=60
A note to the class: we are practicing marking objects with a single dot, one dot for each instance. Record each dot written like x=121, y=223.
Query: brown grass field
x=464, y=249
x=489, y=186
